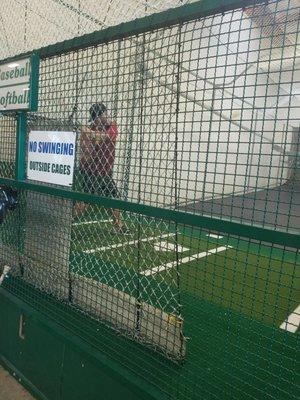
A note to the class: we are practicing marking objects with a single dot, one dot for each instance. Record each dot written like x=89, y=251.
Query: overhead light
x=13, y=65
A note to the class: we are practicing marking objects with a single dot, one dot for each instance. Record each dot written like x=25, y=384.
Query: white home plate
x=166, y=246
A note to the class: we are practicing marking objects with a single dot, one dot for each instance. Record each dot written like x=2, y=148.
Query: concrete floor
x=276, y=208
x=10, y=389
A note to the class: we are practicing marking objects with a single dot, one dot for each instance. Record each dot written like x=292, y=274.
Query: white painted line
x=184, y=260
x=214, y=236
x=91, y=222
x=136, y=241
x=291, y=324
x=167, y=246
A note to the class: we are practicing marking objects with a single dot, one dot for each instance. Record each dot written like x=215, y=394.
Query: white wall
x=237, y=143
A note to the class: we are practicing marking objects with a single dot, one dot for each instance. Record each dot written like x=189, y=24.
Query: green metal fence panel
x=8, y=146
x=181, y=229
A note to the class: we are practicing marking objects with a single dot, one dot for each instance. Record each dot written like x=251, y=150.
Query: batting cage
x=150, y=187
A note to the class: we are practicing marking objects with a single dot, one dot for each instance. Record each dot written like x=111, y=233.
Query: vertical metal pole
x=138, y=60
x=177, y=177
x=20, y=176
x=141, y=132
x=208, y=143
x=21, y=146
x=117, y=83
x=252, y=148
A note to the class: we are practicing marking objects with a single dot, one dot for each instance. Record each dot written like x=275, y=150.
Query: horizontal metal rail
x=201, y=221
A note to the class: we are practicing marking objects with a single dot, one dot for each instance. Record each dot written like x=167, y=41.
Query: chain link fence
x=181, y=228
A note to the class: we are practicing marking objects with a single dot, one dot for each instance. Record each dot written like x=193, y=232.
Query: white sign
x=15, y=85
x=51, y=157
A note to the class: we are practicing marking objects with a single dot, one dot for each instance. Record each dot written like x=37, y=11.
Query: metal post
x=21, y=146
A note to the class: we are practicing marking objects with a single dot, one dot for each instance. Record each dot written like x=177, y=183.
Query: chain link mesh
x=8, y=145
x=202, y=119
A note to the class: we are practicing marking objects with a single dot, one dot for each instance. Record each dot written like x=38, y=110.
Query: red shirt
x=98, y=158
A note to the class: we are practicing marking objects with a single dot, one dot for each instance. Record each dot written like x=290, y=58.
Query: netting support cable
x=79, y=12
x=5, y=33
x=140, y=217
x=25, y=23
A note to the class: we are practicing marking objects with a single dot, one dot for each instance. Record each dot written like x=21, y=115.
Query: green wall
x=53, y=366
